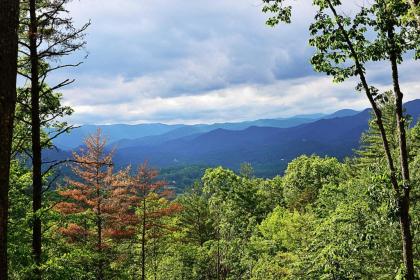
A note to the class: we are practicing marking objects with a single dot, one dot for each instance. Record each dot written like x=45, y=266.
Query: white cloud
x=236, y=103
x=191, y=61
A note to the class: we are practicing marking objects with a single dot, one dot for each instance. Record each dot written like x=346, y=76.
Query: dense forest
x=324, y=218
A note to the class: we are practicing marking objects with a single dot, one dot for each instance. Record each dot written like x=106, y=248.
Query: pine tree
x=371, y=149
x=150, y=197
x=92, y=196
x=47, y=34
x=9, y=19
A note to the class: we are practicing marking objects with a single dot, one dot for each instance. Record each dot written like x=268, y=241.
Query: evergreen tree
x=9, y=19
x=47, y=34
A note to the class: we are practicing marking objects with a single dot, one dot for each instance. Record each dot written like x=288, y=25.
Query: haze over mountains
x=267, y=144
x=130, y=135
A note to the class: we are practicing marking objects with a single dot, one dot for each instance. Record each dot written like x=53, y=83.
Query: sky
x=202, y=61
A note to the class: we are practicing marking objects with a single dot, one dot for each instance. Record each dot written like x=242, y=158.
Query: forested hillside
x=314, y=196
x=323, y=219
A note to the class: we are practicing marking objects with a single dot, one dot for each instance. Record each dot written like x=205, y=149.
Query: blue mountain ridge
x=268, y=149
x=113, y=133
x=124, y=135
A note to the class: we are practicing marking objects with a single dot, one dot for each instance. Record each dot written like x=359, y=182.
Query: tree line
x=323, y=219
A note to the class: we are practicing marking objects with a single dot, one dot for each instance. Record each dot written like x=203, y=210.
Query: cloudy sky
x=202, y=61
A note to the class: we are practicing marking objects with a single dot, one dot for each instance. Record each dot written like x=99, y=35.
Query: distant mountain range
x=124, y=135
x=113, y=133
x=267, y=144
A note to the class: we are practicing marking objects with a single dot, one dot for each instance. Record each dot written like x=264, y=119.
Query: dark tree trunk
x=218, y=255
x=9, y=18
x=402, y=195
x=406, y=237
x=375, y=108
x=404, y=199
x=143, y=240
x=100, y=275
x=36, y=140
x=99, y=244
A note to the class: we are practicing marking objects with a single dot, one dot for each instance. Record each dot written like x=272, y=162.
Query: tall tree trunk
x=374, y=106
x=218, y=256
x=143, y=240
x=100, y=275
x=36, y=140
x=9, y=19
x=404, y=198
x=218, y=263
x=155, y=261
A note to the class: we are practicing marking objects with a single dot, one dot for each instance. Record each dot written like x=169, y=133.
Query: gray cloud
x=200, y=61
x=236, y=103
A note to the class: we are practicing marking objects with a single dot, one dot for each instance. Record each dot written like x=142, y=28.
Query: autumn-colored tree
x=98, y=198
x=151, y=198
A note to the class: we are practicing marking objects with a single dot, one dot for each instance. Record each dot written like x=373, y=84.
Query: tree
x=150, y=198
x=342, y=51
x=304, y=178
x=415, y=11
x=19, y=237
x=398, y=38
x=370, y=147
x=47, y=36
x=195, y=219
x=185, y=249
x=233, y=203
x=279, y=243
x=9, y=19
x=91, y=197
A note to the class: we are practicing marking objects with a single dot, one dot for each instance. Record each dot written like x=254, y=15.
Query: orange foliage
x=99, y=191
x=119, y=205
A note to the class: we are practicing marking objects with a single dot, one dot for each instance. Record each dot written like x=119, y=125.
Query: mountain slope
x=124, y=135
x=191, y=130
x=267, y=148
x=112, y=132
x=203, y=128
x=341, y=113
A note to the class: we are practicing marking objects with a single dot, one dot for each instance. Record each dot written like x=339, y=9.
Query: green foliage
x=305, y=176
x=353, y=231
x=287, y=230
x=344, y=45
x=333, y=54
x=343, y=41
x=19, y=236
x=282, y=13
x=180, y=176
x=322, y=220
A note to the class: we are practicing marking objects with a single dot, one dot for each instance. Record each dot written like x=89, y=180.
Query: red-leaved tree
x=151, y=199
x=98, y=198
